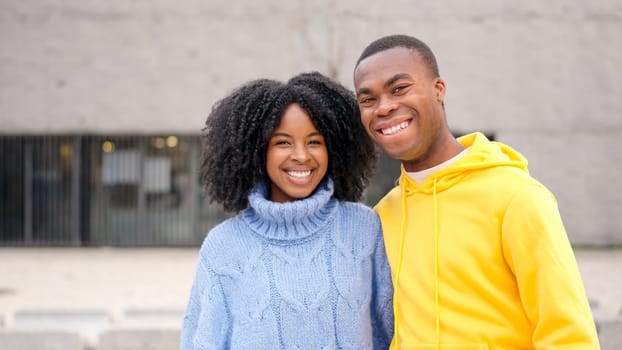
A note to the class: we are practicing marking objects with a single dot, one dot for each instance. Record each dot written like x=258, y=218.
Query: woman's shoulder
x=222, y=233
x=358, y=230
x=227, y=245
x=359, y=212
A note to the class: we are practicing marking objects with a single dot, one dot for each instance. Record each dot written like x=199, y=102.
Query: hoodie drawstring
x=396, y=309
x=436, y=304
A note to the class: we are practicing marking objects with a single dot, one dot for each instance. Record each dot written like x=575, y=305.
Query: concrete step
x=139, y=339
x=136, y=328
x=41, y=340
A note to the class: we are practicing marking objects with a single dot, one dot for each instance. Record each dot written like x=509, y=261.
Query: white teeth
x=299, y=174
x=392, y=130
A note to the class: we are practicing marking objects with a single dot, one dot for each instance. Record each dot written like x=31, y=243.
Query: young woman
x=301, y=265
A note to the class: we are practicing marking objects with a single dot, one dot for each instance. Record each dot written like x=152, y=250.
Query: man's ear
x=439, y=85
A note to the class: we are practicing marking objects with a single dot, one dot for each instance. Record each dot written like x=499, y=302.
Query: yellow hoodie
x=480, y=259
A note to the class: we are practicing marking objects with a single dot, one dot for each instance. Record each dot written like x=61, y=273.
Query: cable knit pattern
x=308, y=274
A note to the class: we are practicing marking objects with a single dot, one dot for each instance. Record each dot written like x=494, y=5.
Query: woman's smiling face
x=297, y=158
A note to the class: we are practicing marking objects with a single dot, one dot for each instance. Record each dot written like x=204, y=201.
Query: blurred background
x=102, y=105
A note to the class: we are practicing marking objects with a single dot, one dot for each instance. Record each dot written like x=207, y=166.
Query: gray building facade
x=101, y=103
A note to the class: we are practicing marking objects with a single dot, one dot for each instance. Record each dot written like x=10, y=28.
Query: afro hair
x=238, y=129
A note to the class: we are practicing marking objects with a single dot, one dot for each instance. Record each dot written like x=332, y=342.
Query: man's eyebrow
x=387, y=84
x=362, y=91
x=395, y=78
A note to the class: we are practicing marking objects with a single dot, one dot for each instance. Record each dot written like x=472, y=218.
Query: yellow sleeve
x=539, y=253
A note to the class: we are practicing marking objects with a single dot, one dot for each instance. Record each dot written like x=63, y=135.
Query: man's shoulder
x=390, y=200
x=506, y=179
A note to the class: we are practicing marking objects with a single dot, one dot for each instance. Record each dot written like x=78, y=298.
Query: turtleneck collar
x=289, y=222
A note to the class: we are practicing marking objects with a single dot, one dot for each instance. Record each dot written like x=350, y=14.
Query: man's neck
x=421, y=175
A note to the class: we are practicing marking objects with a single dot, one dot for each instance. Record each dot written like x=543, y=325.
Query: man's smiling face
x=401, y=105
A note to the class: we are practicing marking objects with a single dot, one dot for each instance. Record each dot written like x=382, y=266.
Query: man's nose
x=386, y=105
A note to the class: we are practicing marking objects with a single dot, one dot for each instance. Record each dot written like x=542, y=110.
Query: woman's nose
x=300, y=153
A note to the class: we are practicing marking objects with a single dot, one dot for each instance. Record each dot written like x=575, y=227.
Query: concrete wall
x=544, y=77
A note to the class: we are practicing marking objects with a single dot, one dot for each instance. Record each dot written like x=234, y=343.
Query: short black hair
x=238, y=129
x=406, y=41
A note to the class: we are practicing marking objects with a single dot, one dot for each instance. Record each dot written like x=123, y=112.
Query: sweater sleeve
x=539, y=253
x=382, y=296
x=206, y=319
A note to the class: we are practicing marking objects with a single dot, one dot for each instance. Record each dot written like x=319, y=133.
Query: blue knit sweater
x=309, y=274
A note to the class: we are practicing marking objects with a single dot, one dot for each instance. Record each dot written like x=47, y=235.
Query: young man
x=479, y=255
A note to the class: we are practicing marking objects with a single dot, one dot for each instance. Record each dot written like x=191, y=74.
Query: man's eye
x=398, y=89
x=366, y=100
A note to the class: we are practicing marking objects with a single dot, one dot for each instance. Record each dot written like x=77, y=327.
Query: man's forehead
x=394, y=53
x=383, y=64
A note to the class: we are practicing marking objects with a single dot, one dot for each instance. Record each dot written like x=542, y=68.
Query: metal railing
x=102, y=190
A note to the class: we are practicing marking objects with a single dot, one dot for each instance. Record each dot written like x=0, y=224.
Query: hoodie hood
x=482, y=154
